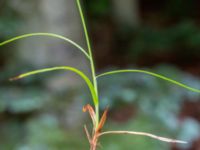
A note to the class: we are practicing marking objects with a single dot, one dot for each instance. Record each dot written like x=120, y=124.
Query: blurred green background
x=44, y=112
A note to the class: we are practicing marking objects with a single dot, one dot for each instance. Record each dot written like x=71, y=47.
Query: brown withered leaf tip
x=14, y=78
x=91, y=112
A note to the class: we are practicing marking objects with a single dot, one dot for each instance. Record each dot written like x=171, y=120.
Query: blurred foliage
x=17, y=101
x=98, y=8
x=184, y=10
x=45, y=133
x=9, y=20
x=185, y=35
x=9, y=24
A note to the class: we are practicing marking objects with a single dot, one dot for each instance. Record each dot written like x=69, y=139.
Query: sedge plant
x=98, y=123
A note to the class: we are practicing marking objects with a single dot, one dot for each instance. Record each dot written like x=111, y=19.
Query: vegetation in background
x=185, y=35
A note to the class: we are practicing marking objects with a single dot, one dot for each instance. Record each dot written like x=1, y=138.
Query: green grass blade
x=80, y=73
x=152, y=74
x=49, y=35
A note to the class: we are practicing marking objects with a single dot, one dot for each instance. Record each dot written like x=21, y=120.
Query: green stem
x=91, y=57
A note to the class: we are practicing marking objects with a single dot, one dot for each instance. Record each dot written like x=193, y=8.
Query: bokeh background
x=44, y=112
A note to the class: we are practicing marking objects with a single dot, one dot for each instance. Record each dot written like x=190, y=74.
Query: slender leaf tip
x=15, y=78
x=151, y=74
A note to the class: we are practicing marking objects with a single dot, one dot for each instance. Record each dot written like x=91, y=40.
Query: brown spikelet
x=102, y=121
